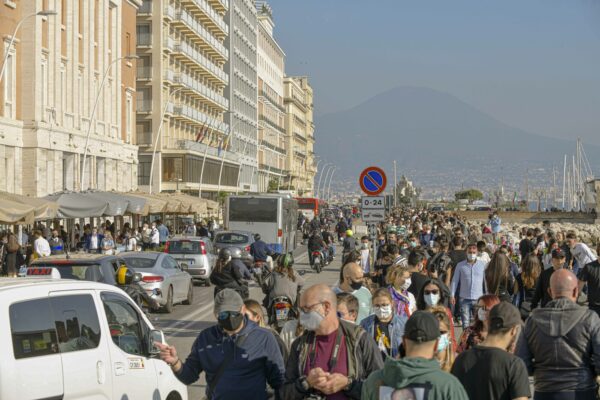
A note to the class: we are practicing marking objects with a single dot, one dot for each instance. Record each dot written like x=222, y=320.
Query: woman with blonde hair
x=398, y=280
x=445, y=352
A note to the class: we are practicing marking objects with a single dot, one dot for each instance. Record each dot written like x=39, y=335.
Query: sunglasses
x=431, y=292
x=226, y=314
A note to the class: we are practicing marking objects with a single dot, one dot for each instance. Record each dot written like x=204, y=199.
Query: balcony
x=221, y=5
x=186, y=21
x=209, y=16
x=300, y=137
x=197, y=87
x=272, y=124
x=271, y=146
x=146, y=7
x=202, y=148
x=195, y=58
x=270, y=100
x=271, y=170
x=143, y=106
x=197, y=117
x=144, y=39
x=144, y=72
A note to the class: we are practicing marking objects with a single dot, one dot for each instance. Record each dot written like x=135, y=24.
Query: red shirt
x=323, y=354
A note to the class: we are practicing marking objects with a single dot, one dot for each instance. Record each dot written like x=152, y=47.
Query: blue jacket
x=163, y=233
x=260, y=250
x=426, y=238
x=396, y=329
x=88, y=242
x=257, y=362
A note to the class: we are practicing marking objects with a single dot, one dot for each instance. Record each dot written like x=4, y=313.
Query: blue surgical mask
x=443, y=342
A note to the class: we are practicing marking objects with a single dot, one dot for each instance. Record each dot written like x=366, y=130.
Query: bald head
x=563, y=283
x=319, y=293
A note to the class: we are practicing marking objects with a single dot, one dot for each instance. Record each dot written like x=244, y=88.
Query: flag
x=226, y=146
x=201, y=133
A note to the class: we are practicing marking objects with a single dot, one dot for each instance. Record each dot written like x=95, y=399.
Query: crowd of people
x=445, y=309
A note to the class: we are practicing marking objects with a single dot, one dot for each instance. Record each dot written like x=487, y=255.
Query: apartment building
x=242, y=90
x=58, y=65
x=300, y=139
x=271, y=109
x=181, y=102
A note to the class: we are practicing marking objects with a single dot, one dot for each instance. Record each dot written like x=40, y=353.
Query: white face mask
x=311, y=320
x=383, y=312
x=471, y=257
x=482, y=314
x=432, y=299
x=406, y=285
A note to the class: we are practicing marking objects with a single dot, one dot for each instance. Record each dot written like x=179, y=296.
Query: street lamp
x=204, y=161
x=322, y=188
x=45, y=13
x=89, y=131
x=223, y=157
x=320, y=178
x=329, y=186
x=162, y=120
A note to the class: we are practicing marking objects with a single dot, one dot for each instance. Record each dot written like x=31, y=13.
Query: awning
x=43, y=209
x=153, y=205
x=78, y=205
x=12, y=212
x=119, y=203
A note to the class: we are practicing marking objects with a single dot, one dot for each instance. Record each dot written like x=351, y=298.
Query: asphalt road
x=183, y=325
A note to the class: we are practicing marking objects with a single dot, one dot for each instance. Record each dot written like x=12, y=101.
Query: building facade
x=300, y=139
x=54, y=73
x=271, y=108
x=242, y=90
x=181, y=102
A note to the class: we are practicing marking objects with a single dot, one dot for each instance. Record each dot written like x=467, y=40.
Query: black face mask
x=356, y=285
x=232, y=323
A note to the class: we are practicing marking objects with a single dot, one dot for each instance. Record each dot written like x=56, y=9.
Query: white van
x=78, y=340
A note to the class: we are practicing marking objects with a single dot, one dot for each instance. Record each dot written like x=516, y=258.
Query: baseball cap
x=558, y=253
x=504, y=315
x=228, y=300
x=422, y=327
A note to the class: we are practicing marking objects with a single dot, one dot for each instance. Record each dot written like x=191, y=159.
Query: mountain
x=427, y=131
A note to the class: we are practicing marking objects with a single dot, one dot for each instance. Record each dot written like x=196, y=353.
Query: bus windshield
x=252, y=210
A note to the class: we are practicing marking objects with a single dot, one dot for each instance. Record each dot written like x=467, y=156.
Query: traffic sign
x=372, y=181
x=373, y=216
x=372, y=202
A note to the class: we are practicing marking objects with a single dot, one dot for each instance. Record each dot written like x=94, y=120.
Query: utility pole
x=395, y=185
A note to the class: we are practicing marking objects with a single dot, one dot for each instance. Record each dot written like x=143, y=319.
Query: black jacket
x=363, y=358
x=229, y=278
x=541, y=295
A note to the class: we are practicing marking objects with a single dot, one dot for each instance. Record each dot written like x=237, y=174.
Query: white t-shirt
x=94, y=242
x=155, y=236
x=131, y=244
x=41, y=247
x=365, y=261
x=582, y=253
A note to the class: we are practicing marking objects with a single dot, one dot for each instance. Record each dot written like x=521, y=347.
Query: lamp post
x=45, y=13
x=237, y=189
x=203, y=162
x=326, y=171
x=162, y=120
x=223, y=157
x=320, y=178
x=329, y=186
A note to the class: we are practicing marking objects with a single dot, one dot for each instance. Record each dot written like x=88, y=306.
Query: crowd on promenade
x=388, y=329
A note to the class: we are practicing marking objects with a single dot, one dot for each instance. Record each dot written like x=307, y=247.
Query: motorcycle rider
x=329, y=242
x=261, y=251
x=284, y=281
x=237, y=263
x=350, y=245
x=315, y=243
x=226, y=276
x=126, y=281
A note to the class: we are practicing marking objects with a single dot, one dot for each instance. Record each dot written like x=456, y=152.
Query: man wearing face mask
x=351, y=281
x=419, y=372
x=332, y=358
x=560, y=344
x=236, y=350
x=489, y=371
x=416, y=261
x=470, y=275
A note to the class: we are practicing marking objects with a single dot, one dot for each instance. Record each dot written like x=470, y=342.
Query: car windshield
x=85, y=272
x=231, y=238
x=136, y=263
x=184, y=247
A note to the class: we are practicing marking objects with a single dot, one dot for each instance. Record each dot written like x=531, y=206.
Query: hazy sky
x=533, y=64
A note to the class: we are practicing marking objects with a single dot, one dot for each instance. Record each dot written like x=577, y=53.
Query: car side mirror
x=155, y=336
x=184, y=267
x=137, y=277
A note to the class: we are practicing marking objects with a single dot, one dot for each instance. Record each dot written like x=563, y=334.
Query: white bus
x=273, y=216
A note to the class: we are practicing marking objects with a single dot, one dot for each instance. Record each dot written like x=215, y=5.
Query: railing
x=271, y=170
x=144, y=72
x=144, y=39
x=143, y=106
x=144, y=138
x=197, y=86
x=208, y=10
x=179, y=144
x=271, y=146
x=271, y=124
x=271, y=100
x=193, y=24
x=146, y=7
x=198, y=116
x=198, y=58
x=300, y=137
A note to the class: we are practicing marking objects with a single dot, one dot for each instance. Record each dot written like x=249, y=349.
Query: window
x=126, y=329
x=144, y=170
x=76, y=322
x=140, y=262
x=128, y=111
x=9, y=84
x=32, y=329
x=253, y=210
x=44, y=87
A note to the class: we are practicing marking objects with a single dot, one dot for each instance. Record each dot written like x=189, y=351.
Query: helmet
x=124, y=276
x=286, y=260
x=349, y=233
x=224, y=254
x=236, y=252
x=256, y=237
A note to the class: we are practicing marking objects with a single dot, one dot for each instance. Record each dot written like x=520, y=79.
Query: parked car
x=240, y=239
x=76, y=339
x=83, y=267
x=163, y=277
x=197, y=253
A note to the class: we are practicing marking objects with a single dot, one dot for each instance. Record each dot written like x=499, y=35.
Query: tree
x=273, y=186
x=469, y=194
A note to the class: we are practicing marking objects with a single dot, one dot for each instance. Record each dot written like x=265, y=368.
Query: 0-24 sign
x=372, y=202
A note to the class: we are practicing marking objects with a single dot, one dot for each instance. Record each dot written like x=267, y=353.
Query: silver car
x=197, y=253
x=162, y=278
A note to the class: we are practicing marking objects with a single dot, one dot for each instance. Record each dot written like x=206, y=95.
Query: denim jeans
x=466, y=311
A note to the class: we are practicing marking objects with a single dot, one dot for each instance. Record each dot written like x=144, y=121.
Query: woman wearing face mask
x=434, y=296
x=384, y=325
x=445, y=352
x=477, y=332
x=398, y=279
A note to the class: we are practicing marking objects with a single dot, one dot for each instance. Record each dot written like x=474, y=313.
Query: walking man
x=470, y=275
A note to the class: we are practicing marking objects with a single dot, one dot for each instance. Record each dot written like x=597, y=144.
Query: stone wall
x=519, y=217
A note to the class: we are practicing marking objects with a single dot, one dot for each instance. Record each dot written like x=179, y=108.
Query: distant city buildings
x=192, y=96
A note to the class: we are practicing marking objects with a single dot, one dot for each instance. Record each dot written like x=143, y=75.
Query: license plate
x=188, y=262
x=281, y=314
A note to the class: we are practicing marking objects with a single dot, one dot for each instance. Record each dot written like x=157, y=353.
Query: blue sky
x=533, y=64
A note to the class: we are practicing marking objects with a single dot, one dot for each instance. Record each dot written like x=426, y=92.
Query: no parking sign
x=372, y=181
